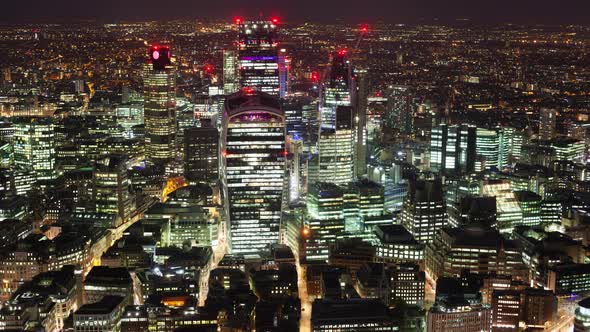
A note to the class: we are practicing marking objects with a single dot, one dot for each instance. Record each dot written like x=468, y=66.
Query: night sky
x=394, y=11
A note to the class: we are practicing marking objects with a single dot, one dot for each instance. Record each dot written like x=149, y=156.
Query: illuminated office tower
x=474, y=248
x=294, y=109
x=336, y=89
x=492, y=148
x=400, y=110
x=258, y=56
x=530, y=203
x=325, y=202
x=201, y=152
x=111, y=189
x=253, y=167
x=487, y=149
x=508, y=211
x=423, y=212
x=547, y=119
x=34, y=146
x=230, y=72
x=336, y=149
x=159, y=106
x=452, y=148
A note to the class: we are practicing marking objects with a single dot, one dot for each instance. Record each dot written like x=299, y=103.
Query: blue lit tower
x=258, y=56
x=253, y=168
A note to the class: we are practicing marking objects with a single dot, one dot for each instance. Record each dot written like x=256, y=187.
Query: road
x=305, y=321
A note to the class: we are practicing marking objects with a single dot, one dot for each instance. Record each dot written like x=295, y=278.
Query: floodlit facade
x=508, y=211
x=253, y=168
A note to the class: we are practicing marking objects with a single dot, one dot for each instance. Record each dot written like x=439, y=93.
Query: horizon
x=528, y=12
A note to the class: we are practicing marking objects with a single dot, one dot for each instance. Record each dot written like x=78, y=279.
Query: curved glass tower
x=254, y=165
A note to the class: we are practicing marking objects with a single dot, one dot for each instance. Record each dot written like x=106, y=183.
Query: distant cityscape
x=256, y=174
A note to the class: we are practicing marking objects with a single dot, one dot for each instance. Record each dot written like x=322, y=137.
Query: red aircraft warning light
x=364, y=28
x=238, y=20
x=342, y=52
x=275, y=20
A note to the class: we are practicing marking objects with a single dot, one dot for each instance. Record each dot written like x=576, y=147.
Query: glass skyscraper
x=254, y=166
x=258, y=56
x=34, y=146
x=160, y=106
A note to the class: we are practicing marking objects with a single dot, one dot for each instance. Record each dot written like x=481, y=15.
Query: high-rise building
x=258, y=56
x=336, y=149
x=423, y=212
x=284, y=68
x=400, y=110
x=547, y=120
x=111, y=189
x=326, y=219
x=230, y=72
x=530, y=204
x=492, y=148
x=201, y=154
x=160, y=106
x=34, y=146
x=452, y=148
x=253, y=168
x=336, y=89
x=476, y=249
x=508, y=211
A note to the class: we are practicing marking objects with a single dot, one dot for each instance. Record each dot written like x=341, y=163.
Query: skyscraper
x=336, y=89
x=258, y=56
x=547, y=118
x=336, y=149
x=160, y=106
x=230, y=72
x=254, y=163
x=452, y=148
x=400, y=110
x=423, y=212
x=111, y=186
x=34, y=146
x=201, y=151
